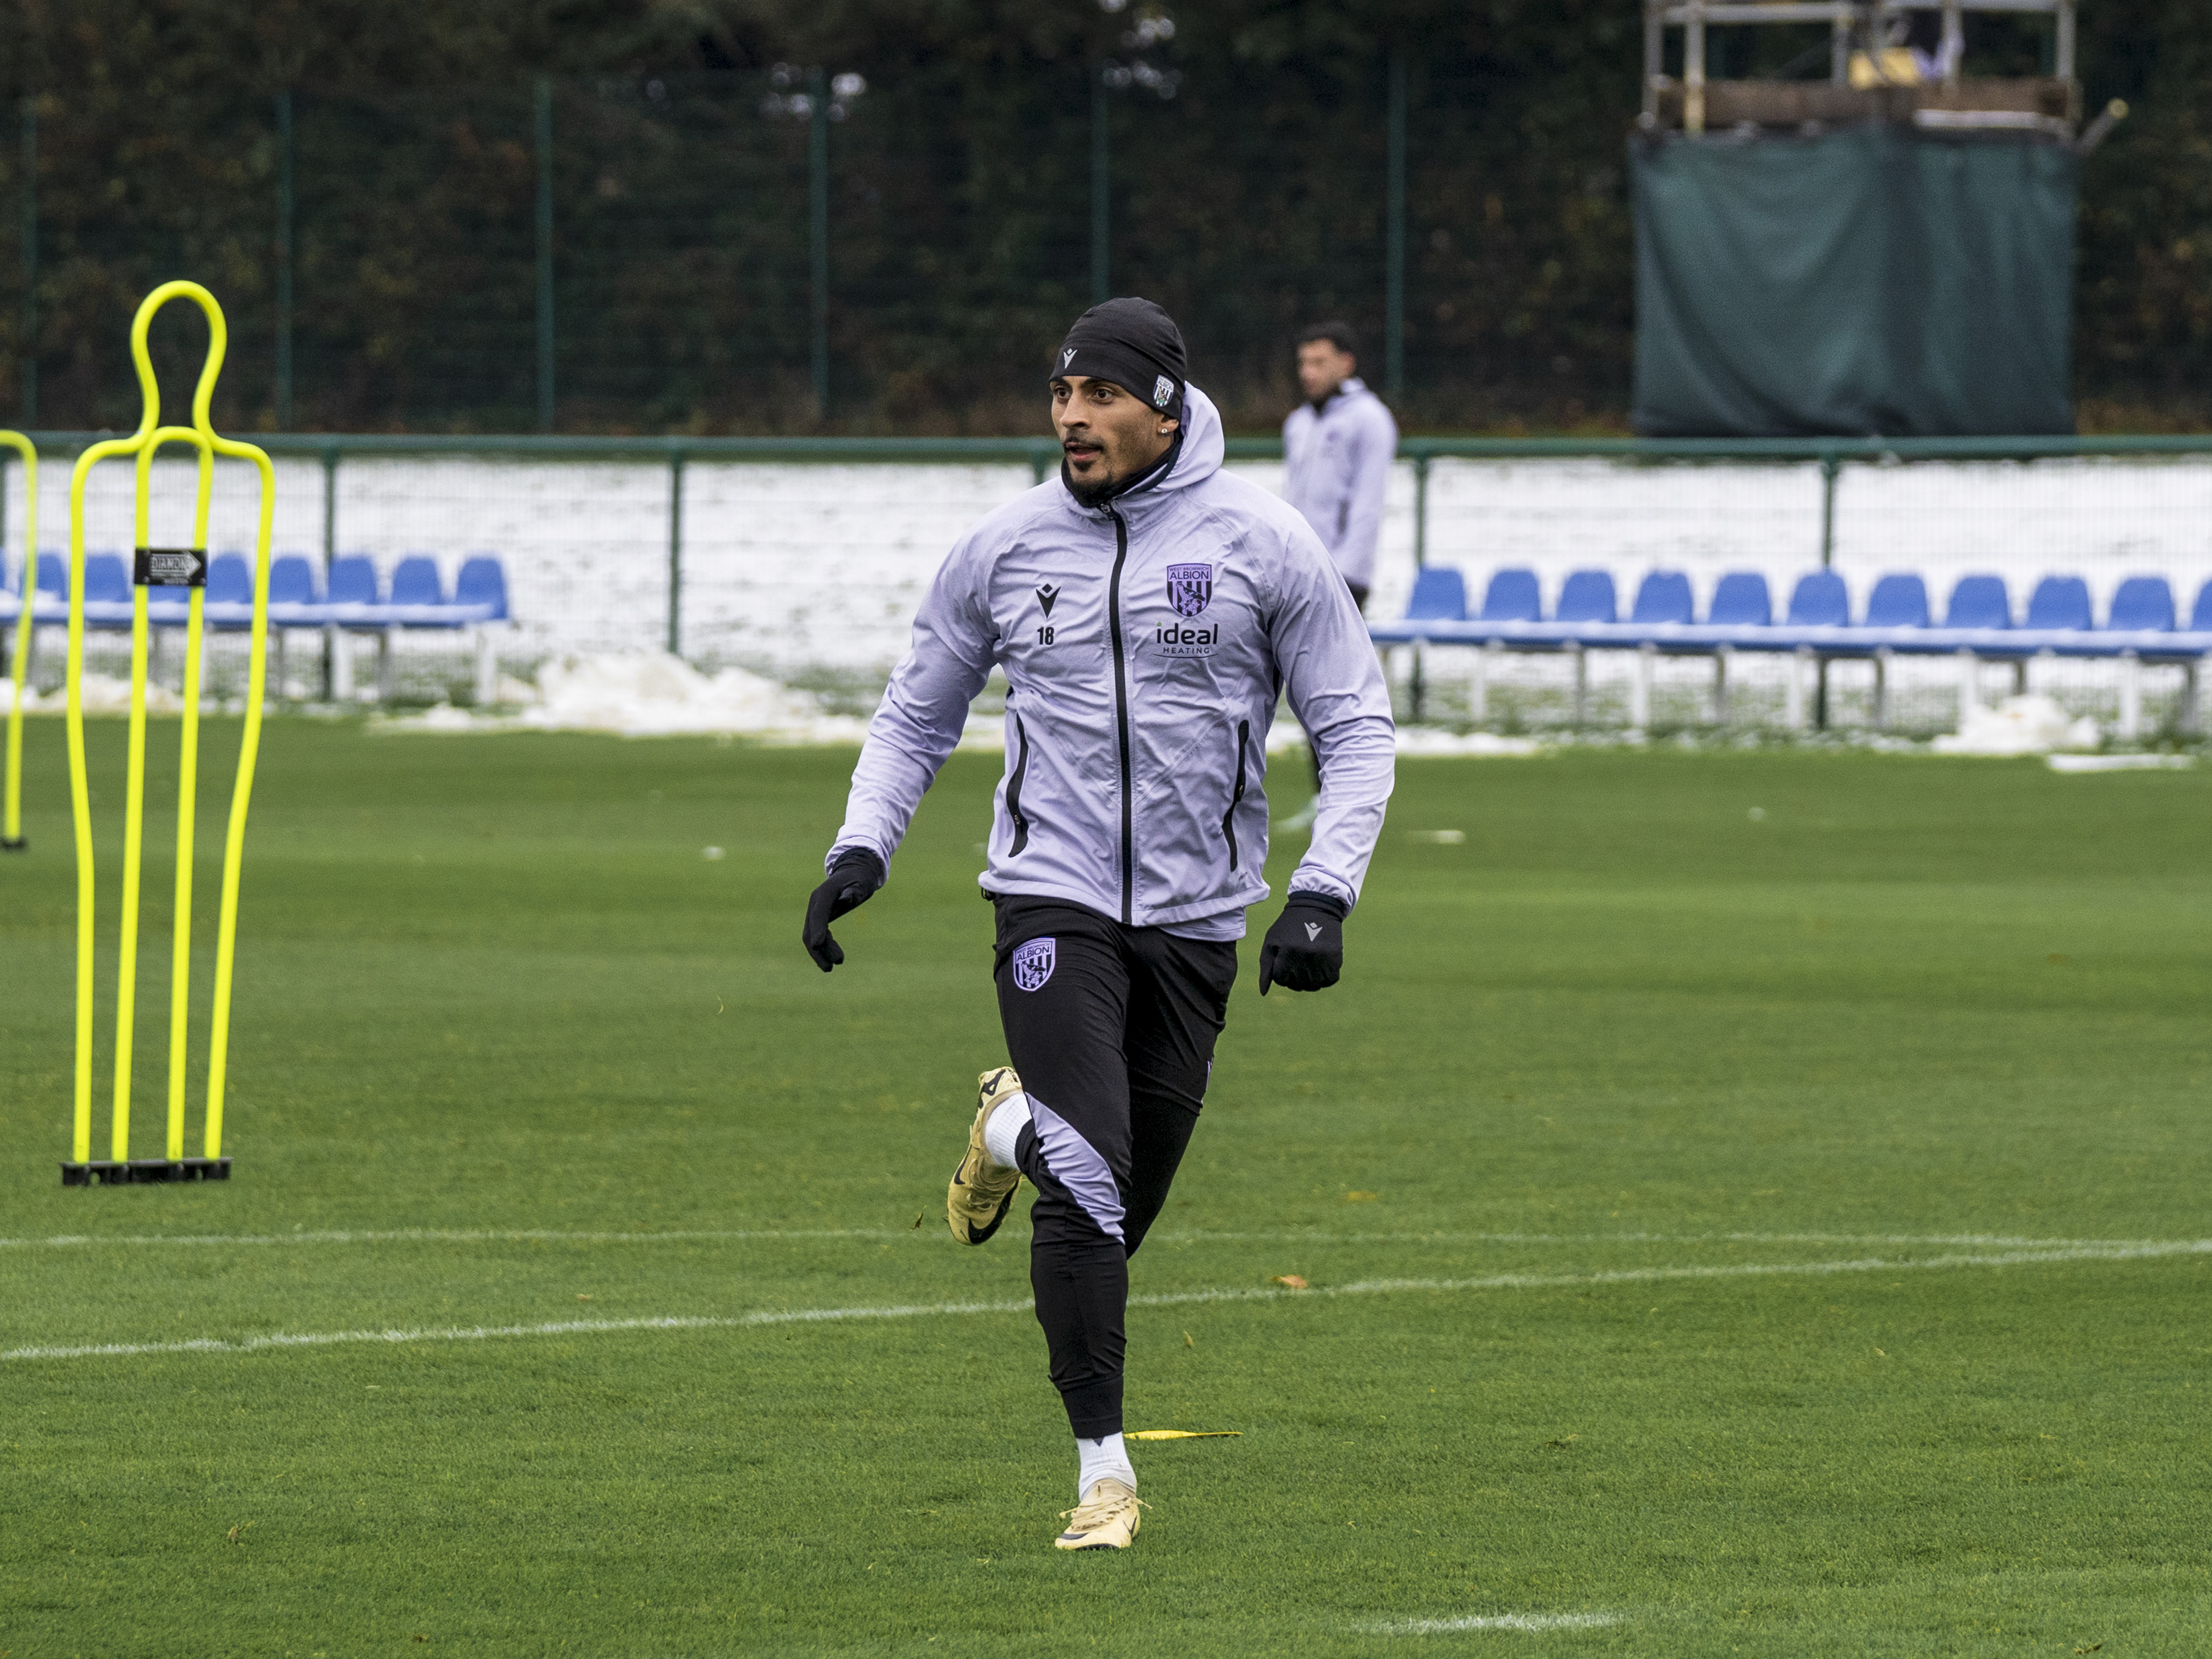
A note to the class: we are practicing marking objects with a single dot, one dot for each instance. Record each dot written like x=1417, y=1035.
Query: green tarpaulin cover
x=1877, y=281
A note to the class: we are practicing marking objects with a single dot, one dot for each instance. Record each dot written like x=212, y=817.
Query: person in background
x=1338, y=447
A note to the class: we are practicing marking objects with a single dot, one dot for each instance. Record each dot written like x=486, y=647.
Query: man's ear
x=1168, y=426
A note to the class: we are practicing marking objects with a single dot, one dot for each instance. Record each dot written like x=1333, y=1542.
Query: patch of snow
x=1422, y=742
x=445, y=718
x=105, y=694
x=648, y=695
x=2119, y=763
x=2033, y=725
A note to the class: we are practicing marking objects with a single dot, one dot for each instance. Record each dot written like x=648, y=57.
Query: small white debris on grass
x=1526, y=1622
x=2031, y=724
x=710, y=853
x=1439, y=837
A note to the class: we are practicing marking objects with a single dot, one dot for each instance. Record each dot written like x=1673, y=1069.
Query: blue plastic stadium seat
x=228, y=601
x=482, y=583
x=2141, y=605
x=2059, y=601
x=1897, y=601
x=1587, y=597
x=1979, y=602
x=106, y=591
x=1820, y=600
x=1661, y=597
x=2200, y=619
x=1742, y=600
x=50, y=597
x=1439, y=592
x=418, y=596
x=1513, y=596
x=417, y=581
x=353, y=594
x=106, y=578
x=230, y=580
x=291, y=581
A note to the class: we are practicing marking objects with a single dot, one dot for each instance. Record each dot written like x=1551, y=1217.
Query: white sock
x=1102, y=1460
x=1003, y=1127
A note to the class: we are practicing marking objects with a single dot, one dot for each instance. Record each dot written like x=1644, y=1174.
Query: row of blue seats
x=2141, y=619
x=356, y=600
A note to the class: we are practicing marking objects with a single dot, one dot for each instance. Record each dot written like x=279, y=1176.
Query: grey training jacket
x=1144, y=644
x=1336, y=470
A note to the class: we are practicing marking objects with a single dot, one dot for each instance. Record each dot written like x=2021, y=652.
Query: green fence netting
x=1873, y=281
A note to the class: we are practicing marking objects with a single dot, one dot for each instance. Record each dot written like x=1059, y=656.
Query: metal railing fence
x=797, y=553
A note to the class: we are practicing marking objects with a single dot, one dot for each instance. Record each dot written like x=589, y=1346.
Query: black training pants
x=1112, y=1030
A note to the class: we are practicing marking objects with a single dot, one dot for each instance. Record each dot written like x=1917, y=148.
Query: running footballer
x=1149, y=610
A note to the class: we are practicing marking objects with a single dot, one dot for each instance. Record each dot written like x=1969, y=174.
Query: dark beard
x=1089, y=496
x=1092, y=496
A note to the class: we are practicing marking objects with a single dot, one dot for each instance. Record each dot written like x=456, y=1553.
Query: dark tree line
x=1248, y=161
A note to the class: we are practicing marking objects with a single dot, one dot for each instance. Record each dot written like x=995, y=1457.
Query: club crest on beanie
x=1134, y=344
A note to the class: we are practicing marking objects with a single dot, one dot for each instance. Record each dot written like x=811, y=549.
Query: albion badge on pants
x=1033, y=963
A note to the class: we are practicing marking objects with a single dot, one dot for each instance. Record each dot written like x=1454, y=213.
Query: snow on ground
x=654, y=695
x=2018, y=726
x=2120, y=763
x=647, y=695
x=99, y=694
x=1422, y=741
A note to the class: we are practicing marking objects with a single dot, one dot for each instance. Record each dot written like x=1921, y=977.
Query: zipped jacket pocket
x=1014, y=788
x=1237, y=794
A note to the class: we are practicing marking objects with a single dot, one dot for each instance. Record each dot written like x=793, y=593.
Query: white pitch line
x=485, y=1333
x=452, y=1236
x=1314, y=1236
x=755, y=1235
x=2146, y=1251
x=1530, y=1621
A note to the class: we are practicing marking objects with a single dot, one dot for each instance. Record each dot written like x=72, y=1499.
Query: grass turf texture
x=493, y=985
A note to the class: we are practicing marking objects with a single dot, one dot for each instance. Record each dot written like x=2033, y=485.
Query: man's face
x=1108, y=436
x=1322, y=368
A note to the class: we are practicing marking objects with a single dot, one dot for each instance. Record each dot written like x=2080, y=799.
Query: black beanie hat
x=1134, y=344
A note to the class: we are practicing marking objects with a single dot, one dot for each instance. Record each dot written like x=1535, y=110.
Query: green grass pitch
x=1729, y=1233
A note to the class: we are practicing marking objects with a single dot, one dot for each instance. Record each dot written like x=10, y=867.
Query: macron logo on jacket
x=1336, y=470
x=1136, y=715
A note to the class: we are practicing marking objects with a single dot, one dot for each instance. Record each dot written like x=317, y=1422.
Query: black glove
x=853, y=882
x=1304, y=949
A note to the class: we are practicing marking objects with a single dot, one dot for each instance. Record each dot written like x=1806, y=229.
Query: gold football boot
x=1107, y=1519
x=983, y=1192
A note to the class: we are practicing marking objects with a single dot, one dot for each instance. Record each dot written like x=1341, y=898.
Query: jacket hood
x=1204, y=443
x=1200, y=447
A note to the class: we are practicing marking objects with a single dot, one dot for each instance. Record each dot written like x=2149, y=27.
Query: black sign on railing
x=170, y=567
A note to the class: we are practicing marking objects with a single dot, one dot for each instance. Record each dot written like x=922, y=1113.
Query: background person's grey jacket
x=1135, y=770
x=1336, y=468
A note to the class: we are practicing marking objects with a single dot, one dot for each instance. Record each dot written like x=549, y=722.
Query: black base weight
x=17, y=844
x=141, y=1172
